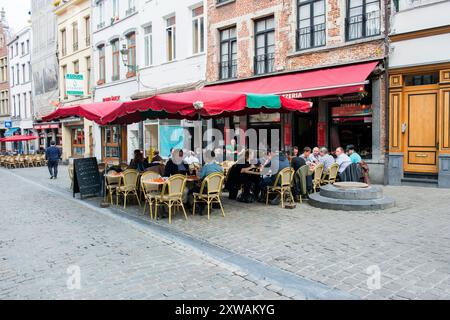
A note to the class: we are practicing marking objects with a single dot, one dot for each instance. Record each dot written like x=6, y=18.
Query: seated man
x=297, y=162
x=306, y=155
x=211, y=165
x=314, y=157
x=277, y=163
x=326, y=158
x=342, y=160
x=354, y=156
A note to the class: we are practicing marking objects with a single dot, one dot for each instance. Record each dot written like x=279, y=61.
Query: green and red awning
x=192, y=105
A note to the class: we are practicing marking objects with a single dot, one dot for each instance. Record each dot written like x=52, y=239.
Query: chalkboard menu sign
x=86, y=178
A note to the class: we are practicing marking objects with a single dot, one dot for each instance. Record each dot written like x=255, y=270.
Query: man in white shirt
x=342, y=159
x=191, y=158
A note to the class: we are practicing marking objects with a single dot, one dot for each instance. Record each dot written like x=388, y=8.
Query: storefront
x=419, y=129
x=73, y=137
x=347, y=109
x=164, y=135
x=48, y=132
x=114, y=144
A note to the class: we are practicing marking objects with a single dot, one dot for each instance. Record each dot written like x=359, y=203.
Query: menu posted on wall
x=86, y=177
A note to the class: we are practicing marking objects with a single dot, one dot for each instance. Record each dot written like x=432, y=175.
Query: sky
x=16, y=13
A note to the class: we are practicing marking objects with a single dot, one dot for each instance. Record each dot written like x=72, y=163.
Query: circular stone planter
x=350, y=196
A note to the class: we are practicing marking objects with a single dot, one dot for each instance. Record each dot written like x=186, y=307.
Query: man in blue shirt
x=211, y=165
x=355, y=157
x=52, y=155
x=271, y=170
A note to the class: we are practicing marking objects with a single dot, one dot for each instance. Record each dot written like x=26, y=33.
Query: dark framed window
x=422, y=79
x=363, y=19
x=311, y=27
x=264, y=45
x=228, y=54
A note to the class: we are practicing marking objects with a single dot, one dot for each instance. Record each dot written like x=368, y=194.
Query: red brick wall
x=242, y=12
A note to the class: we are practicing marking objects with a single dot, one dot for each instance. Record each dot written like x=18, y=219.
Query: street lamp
x=125, y=58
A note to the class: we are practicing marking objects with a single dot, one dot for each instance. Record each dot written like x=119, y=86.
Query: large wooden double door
x=420, y=127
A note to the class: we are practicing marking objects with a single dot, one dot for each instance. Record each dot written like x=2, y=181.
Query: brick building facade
x=271, y=38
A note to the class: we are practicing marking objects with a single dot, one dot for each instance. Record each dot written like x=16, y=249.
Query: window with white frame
x=198, y=30
x=101, y=14
x=131, y=7
x=115, y=7
x=170, y=38
x=148, y=43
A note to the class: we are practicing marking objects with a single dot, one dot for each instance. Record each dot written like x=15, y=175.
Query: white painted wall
x=414, y=16
x=421, y=51
x=418, y=15
x=126, y=22
x=187, y=67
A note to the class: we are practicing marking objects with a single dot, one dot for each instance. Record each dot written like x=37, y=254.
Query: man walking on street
x=52, y=155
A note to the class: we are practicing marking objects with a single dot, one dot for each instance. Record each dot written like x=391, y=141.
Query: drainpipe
x=387, y=26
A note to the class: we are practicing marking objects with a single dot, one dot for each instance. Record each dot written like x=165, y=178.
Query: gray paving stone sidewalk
x=409, y=244
x=45, y=240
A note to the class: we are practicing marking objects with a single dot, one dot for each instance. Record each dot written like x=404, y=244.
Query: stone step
x=419, y=182
x=319, y=201
x=369, y=193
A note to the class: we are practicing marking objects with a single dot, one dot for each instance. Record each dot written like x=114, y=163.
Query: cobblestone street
x=121, y=254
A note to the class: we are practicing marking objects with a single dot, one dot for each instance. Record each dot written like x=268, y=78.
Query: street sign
x=74, y=84
x=8, y=124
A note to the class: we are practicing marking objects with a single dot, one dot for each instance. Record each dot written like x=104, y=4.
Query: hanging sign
x=74, y=84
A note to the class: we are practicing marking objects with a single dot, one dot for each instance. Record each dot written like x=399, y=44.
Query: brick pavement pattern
x=408, y=244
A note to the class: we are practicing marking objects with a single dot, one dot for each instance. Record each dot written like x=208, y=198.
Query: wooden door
x=421, y=131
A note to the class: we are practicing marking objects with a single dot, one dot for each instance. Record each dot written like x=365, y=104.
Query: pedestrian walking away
x=52, y=155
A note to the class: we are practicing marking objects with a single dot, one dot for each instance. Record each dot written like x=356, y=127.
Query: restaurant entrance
x=268, y=131
x=114, y=144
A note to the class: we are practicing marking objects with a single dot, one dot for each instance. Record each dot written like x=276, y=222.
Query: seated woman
x=157, y=165
x=175, y=165
x=138, y=162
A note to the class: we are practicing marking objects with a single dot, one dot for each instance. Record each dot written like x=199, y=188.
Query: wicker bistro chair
x=318, y=171
x=111, y=184
x=21, y=161
x=210, y=192
x=329, y=176
x=150, y=191
x=29, y=161
x=129, y=187
x=282, y=185
x=172, y=195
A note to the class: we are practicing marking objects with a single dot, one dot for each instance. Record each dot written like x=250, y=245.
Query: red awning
x=307, y=84
x=91, y=111
x=205, y=104
x=18, y=138
x=185, y=105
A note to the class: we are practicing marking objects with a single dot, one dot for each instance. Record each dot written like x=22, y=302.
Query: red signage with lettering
x=321, y=133
x=112, y=98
